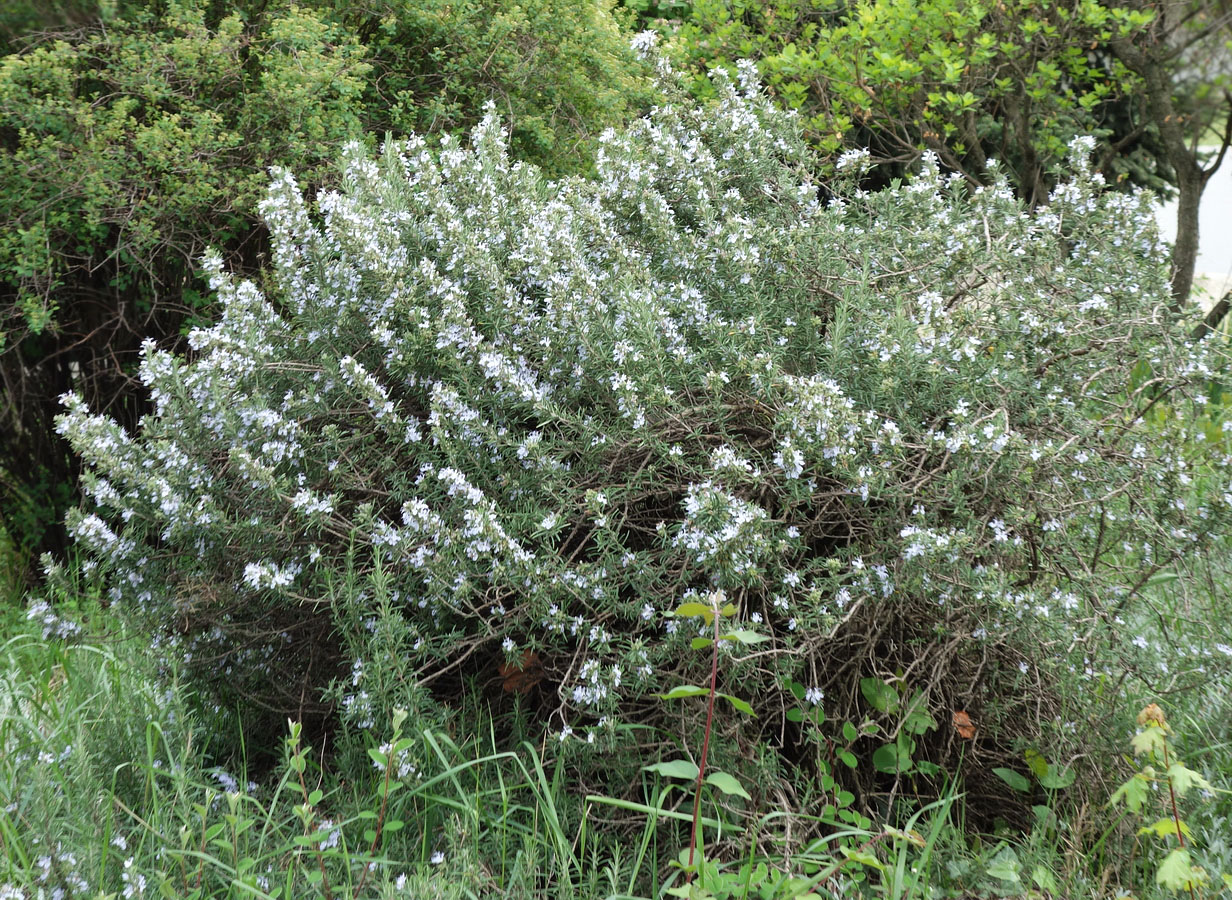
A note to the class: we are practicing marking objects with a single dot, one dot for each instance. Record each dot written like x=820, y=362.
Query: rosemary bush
x=481, y=416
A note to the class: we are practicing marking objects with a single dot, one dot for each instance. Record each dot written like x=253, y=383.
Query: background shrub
x=483, y=416
x=129, y=145
x=1010, y=81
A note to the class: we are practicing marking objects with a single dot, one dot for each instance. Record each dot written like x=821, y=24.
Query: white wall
x=1214, y=231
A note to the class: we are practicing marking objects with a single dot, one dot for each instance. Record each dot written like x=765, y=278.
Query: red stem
x=701, y=769
x=1176, y=816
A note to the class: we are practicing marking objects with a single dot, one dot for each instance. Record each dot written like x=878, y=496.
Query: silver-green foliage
x=553, y=411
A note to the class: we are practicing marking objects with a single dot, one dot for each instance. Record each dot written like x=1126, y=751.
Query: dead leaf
x=963, y=724
x=519, y=678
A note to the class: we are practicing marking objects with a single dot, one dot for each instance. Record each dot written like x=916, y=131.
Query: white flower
x=858, y=159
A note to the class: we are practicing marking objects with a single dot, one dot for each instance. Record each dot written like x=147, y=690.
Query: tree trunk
x=1152, y=67
x=1191, y=181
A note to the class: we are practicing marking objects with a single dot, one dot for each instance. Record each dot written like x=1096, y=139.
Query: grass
x=114, y=782
x=111, y=786
x=12, y=567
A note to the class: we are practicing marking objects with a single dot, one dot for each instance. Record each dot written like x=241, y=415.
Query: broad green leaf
x=1150, y=740
x=745, y=636
x=693, y=609
x=699, y=643
x=891, y=759
x=1164, y=828
x=1184, y=778
x=1057, y=779
x=1036, y=763
x=311, y=840
x=728, y=785
x=863, y=858
x=684, y=690
x=849, y=732
x=918, y=720
x=1004, y=865
x=739, y=705
x=1133, y=792
x=1044, y=879
x=794, y=715
x=1014, y=779
x=676, y=768
x=1178, y=873
x=403, y=745
x=880, y=695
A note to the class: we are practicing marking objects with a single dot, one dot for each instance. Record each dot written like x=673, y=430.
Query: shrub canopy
x=923, y=434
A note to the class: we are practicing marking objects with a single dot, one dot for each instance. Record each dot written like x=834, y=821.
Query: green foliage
x=559, y=71
x=1013, y=81
x=128, y=148
x=23, y=21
